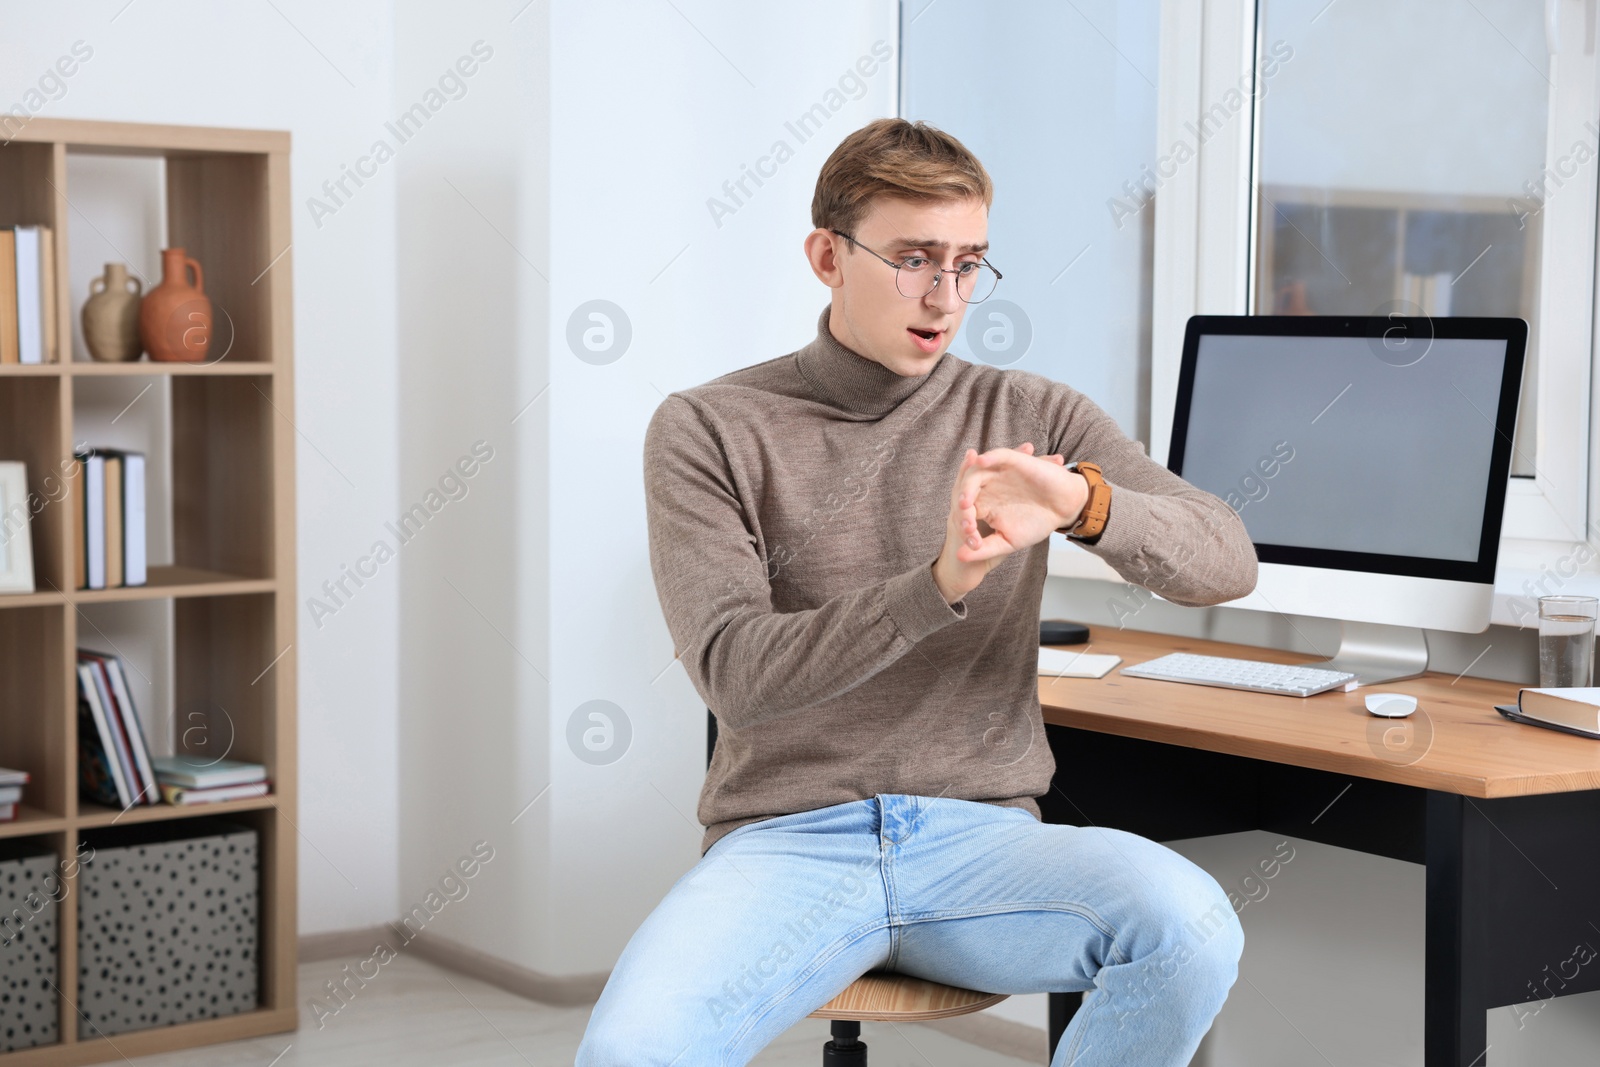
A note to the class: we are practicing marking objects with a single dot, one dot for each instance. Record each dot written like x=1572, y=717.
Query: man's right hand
x=954, y=576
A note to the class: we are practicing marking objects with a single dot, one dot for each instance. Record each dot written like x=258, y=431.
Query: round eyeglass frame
x=939, y=273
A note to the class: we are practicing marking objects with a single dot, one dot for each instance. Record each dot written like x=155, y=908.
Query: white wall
x=474, y=253
x=247, y=65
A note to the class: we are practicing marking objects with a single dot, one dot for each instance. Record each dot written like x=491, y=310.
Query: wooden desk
x=1506, y=817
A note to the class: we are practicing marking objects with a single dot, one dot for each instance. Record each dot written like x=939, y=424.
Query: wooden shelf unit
x=231, y=581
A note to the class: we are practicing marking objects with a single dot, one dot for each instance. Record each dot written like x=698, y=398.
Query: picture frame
x=16, y=529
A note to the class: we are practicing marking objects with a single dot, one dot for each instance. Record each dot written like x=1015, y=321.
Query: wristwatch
x=1092, y=521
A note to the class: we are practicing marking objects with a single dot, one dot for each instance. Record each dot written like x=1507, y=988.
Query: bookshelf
x=221, y=586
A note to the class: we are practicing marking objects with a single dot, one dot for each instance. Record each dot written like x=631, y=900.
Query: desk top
x=1454, y=742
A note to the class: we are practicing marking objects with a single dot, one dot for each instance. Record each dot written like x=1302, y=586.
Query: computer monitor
x=1368, y=458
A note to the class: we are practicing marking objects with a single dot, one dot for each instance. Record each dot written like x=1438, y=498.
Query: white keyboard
x=1282, y=678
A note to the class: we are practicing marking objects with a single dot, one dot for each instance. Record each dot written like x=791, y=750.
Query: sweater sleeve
x=748, y=662
x=1161, y=532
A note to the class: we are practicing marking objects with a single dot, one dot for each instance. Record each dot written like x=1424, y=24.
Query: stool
x=883, y=996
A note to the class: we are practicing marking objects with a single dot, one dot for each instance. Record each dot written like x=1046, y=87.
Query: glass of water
x=1566, y=641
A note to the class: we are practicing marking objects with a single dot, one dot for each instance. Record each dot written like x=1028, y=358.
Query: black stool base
x=846, y=1049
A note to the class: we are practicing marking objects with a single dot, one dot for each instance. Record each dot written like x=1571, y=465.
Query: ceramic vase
x=111, y=316
x=175, y=316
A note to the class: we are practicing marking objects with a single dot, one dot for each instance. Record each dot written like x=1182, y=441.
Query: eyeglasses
x=916, y=276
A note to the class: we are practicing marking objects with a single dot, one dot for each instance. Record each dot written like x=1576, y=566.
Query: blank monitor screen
x=1340, y=447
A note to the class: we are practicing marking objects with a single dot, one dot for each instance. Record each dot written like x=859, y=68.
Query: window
x=1437, y=156
x=1430, y=184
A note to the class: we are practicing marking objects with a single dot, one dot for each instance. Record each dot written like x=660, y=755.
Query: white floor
x=415, y=1014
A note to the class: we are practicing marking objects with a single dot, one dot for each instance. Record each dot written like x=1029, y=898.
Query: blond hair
x=894, y=157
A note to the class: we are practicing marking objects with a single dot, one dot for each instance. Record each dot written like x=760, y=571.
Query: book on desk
x=1573, y=710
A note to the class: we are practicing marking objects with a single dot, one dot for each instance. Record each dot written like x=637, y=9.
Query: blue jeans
x=780, y=915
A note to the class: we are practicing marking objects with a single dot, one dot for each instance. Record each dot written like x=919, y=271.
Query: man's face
x=869, y=314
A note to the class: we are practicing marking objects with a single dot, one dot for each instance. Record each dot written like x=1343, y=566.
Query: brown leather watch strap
x=1092, y=522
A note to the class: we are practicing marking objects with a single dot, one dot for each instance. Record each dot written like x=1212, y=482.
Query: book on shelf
x=135, y=565
x=48, y=295
x=109, y=517
x=8, y=296
x=183, y=795
x=99, y=774
x=90, y=506
x=113, y=538
x=11, y=783
x=27, y=295
x=30, y=295
x=128, y=712
x=100, y=694
x=1575, y=707
x=196, y=772
x=122, y=752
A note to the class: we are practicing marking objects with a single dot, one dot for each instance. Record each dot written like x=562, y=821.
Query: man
x=849, y=543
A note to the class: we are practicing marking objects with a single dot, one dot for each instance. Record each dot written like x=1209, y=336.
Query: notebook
x=1069, y=663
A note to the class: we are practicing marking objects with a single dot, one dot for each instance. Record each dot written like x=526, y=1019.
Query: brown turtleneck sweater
x=795, y=509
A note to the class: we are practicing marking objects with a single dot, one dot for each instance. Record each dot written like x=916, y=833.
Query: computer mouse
x=1391, y=705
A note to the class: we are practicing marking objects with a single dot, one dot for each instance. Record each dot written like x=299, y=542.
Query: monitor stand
x=1377, y=652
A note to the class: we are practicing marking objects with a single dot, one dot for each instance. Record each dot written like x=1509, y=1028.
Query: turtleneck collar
x=852, y=381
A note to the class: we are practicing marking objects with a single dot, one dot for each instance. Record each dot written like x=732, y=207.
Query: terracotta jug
x=175, y=317
x=111, y=316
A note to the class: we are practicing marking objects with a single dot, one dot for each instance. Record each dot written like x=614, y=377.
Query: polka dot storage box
x=168, y=925
x=30, y=892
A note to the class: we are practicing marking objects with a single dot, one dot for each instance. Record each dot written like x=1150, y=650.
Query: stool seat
x=883, y=996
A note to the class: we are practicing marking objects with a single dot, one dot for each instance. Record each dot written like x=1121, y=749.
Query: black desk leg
x=1457, y=926
x=1063, y=1006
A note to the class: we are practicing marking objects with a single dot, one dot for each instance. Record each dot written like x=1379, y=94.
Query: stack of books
x=109, y=518
x=113, y=759
x=27, y=295
x=193, y=780
x=11, y=783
